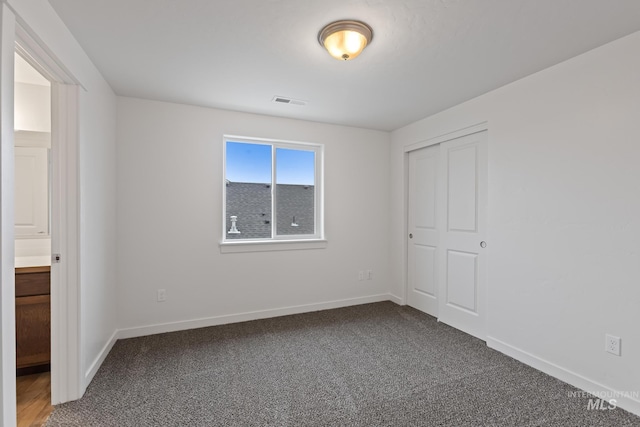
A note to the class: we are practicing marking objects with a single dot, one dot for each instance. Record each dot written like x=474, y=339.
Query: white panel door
x=423, y=230
x=462, y=272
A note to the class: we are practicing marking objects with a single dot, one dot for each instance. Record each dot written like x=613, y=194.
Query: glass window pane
x=248, y=181
x=295, y=191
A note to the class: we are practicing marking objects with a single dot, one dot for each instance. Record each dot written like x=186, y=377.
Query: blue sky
x=252, y=163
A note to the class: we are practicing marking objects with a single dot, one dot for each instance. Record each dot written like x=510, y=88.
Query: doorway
x=66, y=377
x=66, y=370
x=32, y=210
x=446, y=217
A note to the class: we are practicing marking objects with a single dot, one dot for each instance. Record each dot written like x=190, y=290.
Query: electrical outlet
x=369, y=275
x=361, y=275
x=162, y=295
x=612, y=344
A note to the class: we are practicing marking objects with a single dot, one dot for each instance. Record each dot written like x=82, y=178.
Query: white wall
x=97, y=159
x=32, y=107
x=170, y=215
x=98, y=261
x=564, y=214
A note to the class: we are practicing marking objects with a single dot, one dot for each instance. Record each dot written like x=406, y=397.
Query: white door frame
x=416, y=146
x=7, y=223
x=66, y=376
x=65, y=290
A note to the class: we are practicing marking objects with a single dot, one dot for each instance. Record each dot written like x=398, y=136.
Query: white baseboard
x=622, y=399
x=91, y=372
x=244, y=317
x=396, y=299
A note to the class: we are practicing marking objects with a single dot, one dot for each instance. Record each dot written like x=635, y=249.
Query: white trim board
x=66, y=382
x=99, y=360
x=252, y=315
x=565, y=375
x=447, y=136
x=7, y=223
x=34, y=50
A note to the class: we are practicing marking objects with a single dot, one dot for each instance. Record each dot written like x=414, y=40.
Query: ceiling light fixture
x=345, y=40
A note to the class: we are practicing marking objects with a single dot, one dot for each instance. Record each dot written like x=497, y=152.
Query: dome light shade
x=344, y=40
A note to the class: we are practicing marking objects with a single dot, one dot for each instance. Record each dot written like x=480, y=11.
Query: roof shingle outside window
x=251, y=203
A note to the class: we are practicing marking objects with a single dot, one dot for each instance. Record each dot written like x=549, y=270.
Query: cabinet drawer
x=33, y=281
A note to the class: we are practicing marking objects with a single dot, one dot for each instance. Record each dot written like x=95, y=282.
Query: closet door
x=462, y=272
x=423, y=230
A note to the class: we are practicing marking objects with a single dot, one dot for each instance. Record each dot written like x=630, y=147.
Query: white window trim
x=282, y=242
x=229, y=247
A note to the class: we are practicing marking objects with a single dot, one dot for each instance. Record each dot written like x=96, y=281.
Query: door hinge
x=55, y=258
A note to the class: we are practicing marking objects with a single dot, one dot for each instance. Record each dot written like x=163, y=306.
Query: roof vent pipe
x=234, y=230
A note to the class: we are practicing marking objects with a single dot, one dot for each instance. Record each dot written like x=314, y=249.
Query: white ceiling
x=426, y=55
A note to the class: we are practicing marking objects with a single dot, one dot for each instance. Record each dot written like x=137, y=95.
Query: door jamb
x=66, y=375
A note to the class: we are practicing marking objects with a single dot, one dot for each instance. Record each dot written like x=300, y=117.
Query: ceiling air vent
x=284, y=100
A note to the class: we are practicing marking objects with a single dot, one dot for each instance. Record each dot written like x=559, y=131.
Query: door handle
x=410, y=235
x=483, y=244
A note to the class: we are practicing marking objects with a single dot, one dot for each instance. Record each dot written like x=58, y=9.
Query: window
x=272, y=191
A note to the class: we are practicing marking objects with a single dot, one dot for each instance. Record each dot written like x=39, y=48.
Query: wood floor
x=34, y=399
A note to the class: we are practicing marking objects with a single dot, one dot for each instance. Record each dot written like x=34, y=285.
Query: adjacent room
x=334, y=213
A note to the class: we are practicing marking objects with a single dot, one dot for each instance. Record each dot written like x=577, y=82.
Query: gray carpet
x=369, y=365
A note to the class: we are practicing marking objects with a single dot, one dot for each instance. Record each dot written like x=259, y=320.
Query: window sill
x=271, y=245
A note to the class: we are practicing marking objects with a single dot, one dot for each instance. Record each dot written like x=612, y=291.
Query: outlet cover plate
x=612, y=344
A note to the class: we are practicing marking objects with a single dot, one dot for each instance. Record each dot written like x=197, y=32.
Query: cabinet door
x=32, y=191
x=33, y=330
